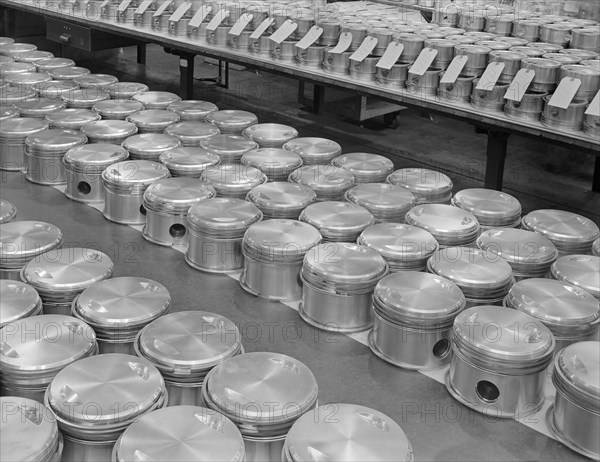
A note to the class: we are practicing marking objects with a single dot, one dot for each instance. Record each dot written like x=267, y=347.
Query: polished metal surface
x=13, y=134
x=270, y=135
x=54, y=88
x=314, y=150
x=17, y=301
x=27, y=80
x=44, y=65
x=365, y=167
x=233, y=180
x=428, y=186
x=547, y=72
x=230, y=148
x=68, y=72
x=182, y=433
x=589, y=77
x=71, y=119
x=338, y=221
x=149, y=146
x=8, y=211
x=580, y=270
x=596, y=247
x=8, y=112
x=491, y=208
x=117, y=109
x=386, y=202
x=108, y=131
x=125, y=90
x=9, y=95
x=16, y=68
x=193, y=109
x=451, y=226
x=8, y=49
x=356, y=434
x=153, y=120
x=95, y=80
x=85, y=98
x=232, y=122
x=188, y=161
x=570, y=119
x=281, y=199
x=327, y=181
x=156, y=99
x=192, y=133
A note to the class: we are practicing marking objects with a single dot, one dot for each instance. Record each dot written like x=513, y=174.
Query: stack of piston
x=414, y=313
x=59, y=276
x=273, y=253
x=365, y=167
x=404, y=247
x=190, y=162
x=36, y=348
x=386, y=202
x=149, y=146
x=17, y=301
x=24, y=241
x=229, y=148
x=276, y=163
x=281, y=199
x=493, y=209
x=119, y=308
x=337, y=221
x=13, y=134
x=451, y=226
x=483, y=277
x=579, y=270
x=330, y=183
x=428, y=186
x=184, y=347
x=233, y=180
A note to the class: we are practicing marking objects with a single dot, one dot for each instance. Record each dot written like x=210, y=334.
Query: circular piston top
x=156, y=99
x=181, y=433
x=577, y=373
x=123, y=301
x=501, y=335
x=71, y=118
x=229, y=147
x=421, y=182
x=580, y=270
x=232, y=121
x=381, y=197
x=68, y=72
x=399, y=241
x=68, y=269
x=268, y=135
x=86, y=97
x=9, y=49
x=32, y=56
x=153, y=118
x=93, y=158
x=540, y=63
x=108, y=129
x=274, y=162
x=323, y=178
x=23, y=240
x=189, y=342
x=281, y=196
x=314, y=150
x=233, y=178
x=192, y=132
x=53, y=63
x=488, y=205
x=188, y=160
x=28, y=78
x=518, y=246
x=150, y=144
x=224, y=213
x=105, y=389
x=562, y=227
x=261, y=388
x=22, y=127
x=29, y=430
x=335, y=219
x=16, y=68
x=356, y=434
x=135, y=172
x=443, y=220
x=54, y=140
x=55, y=88
x=95, y=80
x=118, y=109
x=125, y=90
x=17, y=301
x=176, y=195
x=362, y=164
x=193, y=109
x=40, y=344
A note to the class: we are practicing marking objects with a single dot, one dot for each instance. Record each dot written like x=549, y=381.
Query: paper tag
x=311, y=37
x=217, y=20
x=490, y=76
x=183, y=63
x=199, y=16
x=179, y=12
x=124, y=5
x=104, y=3
x=594, y=107
x=144, y=6
x=454, y=69
x=364, y=50
x=261, y=28
x=286, y=29
x=241, y=24
x=343, y=43
x=162, y=8
x=565, y=92
x=517, y=88
x=390, y=56
x=423, y=61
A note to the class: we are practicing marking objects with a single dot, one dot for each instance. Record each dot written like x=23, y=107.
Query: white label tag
x=364, y=50
x=179, y=12
x=217, y=20
x=124, y=5
x=144, y=6
x=343, y=43
x=423, y=61
x=103, y=4
x=517, y=88
x=390, y=56
x=199, y=16
x=162, y=8
x=261, y=28
x=454, y=69
x=594, y=107
x=241, y=24
x=490, y=76
x=183, y=63
x=565, y=92
x=286, y=29
x=311, y=37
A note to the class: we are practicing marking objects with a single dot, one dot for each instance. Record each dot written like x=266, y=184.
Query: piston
x=17, y=301
x=338, y=282
x=117, y=309
x=365, y=167
x=188, y=162
x=232, y=122
x=483, y=277
x=314, y=150
x=24, y=241
x=71, y=119
x=84, y=166
x=218, y=37
x=179, y=28
x=396, y=76
x=109, y=131
x=582, y=271
x=451, y=226
x=120, y=388
x=60, y=275
x=85, y=98
x=596, y=248
x=545, y=47
x=44, y=65
x=216, y=228
x=192, y=133
x=413, y=314
x=304, y=21
x=273, y=252
x=425, y=84
x=445, y=52
x=270, y=135
x=330, y=183
x=68, y=72
x=559, y=34
x=512, y=63
x=570, y=119
x=591, y=125
x=233, y=180
x=493, y=209
x=144, y=20
x=528, y=29
x=160, y=23
x=26, y=80
x=587, y=38
x=281, y=199
x=358, y=32
x=117, y=109
x=276, y=163
x=184, y=347
x=571, y=313
x=55, y=88
x=95, y=81
x=384, y=38
x=363, y=70
x=337, y=221
x=124, y=184
x=192, y=109
x=371, y=434
x=446, y=15
x=336, y=63
x=13, y=134
x=269, y=382
x=331, y=31
x=428, y=186
x=261, y=46
x=312, y=56
x=149, y=146
x=500, y=25
x=9, y=49
x=489, y=99
x=36, y=348
x=386, y=202
x=460, y=90
x=8, y=112
x=530, y=107
x=240, y=42
x=579, y=54
x=44, y=151
x=156, y=99
x=590, y=80
x=413, y=45
x=472, y=20
x=125, y=90
x=495, y=373
x=153, y=120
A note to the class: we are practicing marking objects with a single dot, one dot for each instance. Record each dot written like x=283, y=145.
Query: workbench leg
x=141, y=54
x=318, y=99
x=496, y=155
x=596, y=177
x=186, y=75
